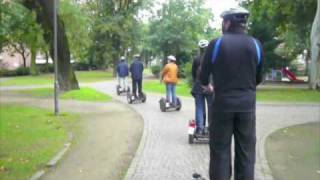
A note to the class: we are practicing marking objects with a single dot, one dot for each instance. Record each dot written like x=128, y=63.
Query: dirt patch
x=293, y=152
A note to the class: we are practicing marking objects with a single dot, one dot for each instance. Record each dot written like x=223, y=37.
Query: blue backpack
x=218, y=44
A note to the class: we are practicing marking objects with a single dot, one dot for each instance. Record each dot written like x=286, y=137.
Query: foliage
x=114, y=29
x=187, y=71
x=77, y=25
x=289, y=24
x=177, y=27
x=30, y=137
x=155, y=70
x=21, y=71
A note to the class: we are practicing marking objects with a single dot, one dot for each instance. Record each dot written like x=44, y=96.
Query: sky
x=217, y=7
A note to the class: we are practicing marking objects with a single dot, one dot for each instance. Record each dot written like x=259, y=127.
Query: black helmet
x=238, y=15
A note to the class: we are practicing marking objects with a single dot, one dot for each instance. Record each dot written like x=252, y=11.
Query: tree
x=114, y=29
x=314, y=82
x=289, y=24
x=177, y=28
x=44, y=11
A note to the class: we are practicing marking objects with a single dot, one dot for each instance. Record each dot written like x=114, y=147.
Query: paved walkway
x=104, y=143
x=164, y=152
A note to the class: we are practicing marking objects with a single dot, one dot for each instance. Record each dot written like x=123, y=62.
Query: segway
x=194, y=137
x=136, y=99
x=121, y=91
x=166, y=106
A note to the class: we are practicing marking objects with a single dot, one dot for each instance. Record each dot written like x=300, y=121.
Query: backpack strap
x=258, y=50
x=216, y=48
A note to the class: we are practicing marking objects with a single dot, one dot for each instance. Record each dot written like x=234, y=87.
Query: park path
x=104, y=143
x=164, y=152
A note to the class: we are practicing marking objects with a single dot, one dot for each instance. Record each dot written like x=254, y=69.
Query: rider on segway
x=122, y=72
x=136, y=70
x=201, y=96
x=169, y=76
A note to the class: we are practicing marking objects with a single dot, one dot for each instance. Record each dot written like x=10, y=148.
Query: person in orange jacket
x=170, y=78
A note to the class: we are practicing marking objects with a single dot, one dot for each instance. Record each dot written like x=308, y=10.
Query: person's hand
x=208, y=88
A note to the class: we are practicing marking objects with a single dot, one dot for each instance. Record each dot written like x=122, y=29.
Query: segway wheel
x=118, y=90
x=129, y=98
x=191, y=139
x=162, y=103
x=144, y=98
x=179, y=104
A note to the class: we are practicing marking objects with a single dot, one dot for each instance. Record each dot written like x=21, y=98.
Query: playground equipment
x=290, y=75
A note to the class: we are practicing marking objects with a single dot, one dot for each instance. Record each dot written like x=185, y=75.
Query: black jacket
x=236, y=72
x=136, y=70
x=196, y=85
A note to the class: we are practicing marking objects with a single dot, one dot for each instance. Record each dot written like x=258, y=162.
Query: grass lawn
x=82, y=76
x=30, y=137
x=263, y=95
x=84, y=94
x=293, y=152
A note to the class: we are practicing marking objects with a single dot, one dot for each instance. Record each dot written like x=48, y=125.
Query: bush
x=155, y=70
x=43, y=68
x=23, y=71
x=187, y=73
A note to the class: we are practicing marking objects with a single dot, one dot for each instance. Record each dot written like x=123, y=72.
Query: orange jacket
x=170, y=73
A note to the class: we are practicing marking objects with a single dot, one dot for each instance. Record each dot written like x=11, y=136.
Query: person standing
x=235, y=61
x=170, y=77
x=136, y=70
x=201, y=96
x=123, y=72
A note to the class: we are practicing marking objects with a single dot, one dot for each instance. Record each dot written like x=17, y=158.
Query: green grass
x=46, y=79
x=157, y=87
x=263, y=95
x=84, y=94
x=30, y=137
x=293, y=152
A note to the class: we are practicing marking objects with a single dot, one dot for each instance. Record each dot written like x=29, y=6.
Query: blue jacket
x=122, y=69
x=136, y=70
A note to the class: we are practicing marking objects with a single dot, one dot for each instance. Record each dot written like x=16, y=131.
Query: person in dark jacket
x=136, y=70
x=201, y=96
x=235, y=61
x=123, y=73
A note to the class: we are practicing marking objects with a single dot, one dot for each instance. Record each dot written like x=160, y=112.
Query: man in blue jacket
x=123, y=73
x=136, y=70
x=235, y=61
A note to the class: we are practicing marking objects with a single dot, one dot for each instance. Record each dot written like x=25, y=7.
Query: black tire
x=179, y=104
x=191, y=139
x=129, y=98
x=118, y=90
x=162, y=105
x=144, y=98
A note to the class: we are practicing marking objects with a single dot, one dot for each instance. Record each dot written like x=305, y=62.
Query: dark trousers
x=225, y=124
x=137, y=83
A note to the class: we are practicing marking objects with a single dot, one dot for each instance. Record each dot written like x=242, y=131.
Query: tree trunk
x=44, y=10
x=47, y=62
x=33, y=67
x=314, y=82
x=24, y=60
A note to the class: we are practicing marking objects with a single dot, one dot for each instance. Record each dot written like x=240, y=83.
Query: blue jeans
x=201, y=115
x=171, y=93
